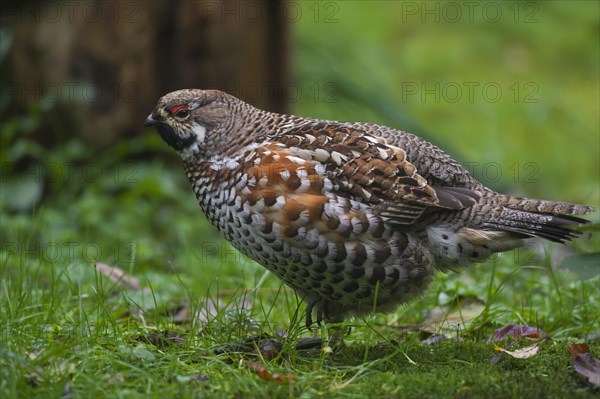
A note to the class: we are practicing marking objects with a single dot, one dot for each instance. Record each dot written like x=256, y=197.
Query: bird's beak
x=150, y=121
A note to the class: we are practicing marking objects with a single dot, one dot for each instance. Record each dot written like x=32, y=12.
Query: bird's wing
x=366, y=168
x=438, y=167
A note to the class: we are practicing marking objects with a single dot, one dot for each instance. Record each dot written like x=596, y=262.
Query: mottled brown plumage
x=350, y=215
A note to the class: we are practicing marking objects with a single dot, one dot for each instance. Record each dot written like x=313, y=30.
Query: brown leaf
x=263, y=373
x=584, y=363
x=579, y=349
x=518, y=330
x=260, y=370
x=283, y=378
x=522, y=353
x=588, y=367
x=118, y=276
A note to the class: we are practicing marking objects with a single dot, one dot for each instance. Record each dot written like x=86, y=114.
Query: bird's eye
x=182, y=113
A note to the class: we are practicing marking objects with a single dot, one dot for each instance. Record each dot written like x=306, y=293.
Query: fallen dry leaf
x=579, y=349
x=522, y=353
x=518, y=330
x=118, y=276
x=588, y=366
x=263, y=373
x=584, y=363
x=498, y=356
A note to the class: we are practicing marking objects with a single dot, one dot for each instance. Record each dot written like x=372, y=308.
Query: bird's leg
x=336, y=334
x=334, y=341
x=309, y=309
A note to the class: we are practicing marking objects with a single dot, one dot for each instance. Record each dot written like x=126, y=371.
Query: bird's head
x=196, y=123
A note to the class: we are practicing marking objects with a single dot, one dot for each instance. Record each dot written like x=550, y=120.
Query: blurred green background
x=516, y=89
x=511, y=89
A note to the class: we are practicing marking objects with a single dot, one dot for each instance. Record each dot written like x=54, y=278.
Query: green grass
x=66, y=329
x=65, y=324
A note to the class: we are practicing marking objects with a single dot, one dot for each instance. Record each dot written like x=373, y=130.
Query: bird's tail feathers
x=543, y=206
x=550, y=220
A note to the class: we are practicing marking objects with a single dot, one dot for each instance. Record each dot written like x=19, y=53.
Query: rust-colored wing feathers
x=368, y=169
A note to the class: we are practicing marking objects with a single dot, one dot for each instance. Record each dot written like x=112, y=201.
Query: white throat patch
x=200, y=132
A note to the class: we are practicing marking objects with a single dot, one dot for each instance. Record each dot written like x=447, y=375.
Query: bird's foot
x=269, y=347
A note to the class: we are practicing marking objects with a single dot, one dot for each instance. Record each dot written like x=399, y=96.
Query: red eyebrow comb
x=178, y=107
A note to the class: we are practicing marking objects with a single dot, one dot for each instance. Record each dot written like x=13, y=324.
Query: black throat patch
x=173, y=139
